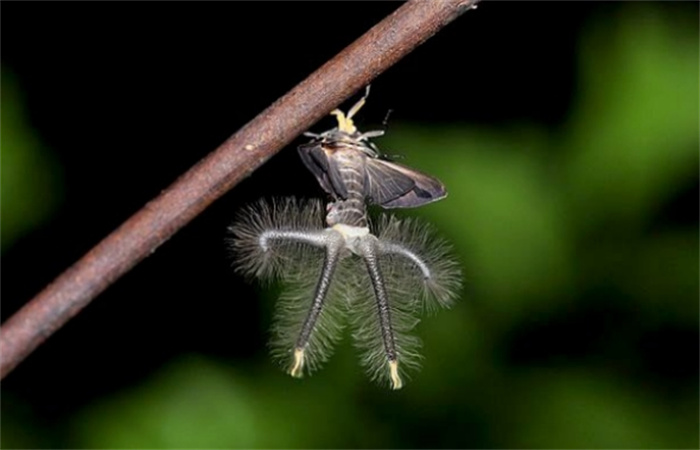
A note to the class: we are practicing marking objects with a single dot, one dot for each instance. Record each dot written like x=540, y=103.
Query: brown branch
x=378, y=49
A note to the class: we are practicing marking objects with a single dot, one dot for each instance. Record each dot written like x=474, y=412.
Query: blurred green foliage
x=539, y=218
x=29, y=176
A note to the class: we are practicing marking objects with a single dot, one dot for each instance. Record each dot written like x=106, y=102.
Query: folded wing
x=391, y=185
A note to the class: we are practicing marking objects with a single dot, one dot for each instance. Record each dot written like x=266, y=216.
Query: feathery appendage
x=419, y=273
x=286, y=240
x=306, y=325
x=381, y=281
x=424, y=261
x=382, y=314
x=258, y=245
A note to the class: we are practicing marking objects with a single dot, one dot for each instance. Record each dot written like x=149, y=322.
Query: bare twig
x=378, y=49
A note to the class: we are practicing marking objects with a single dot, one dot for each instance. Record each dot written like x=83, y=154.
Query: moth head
x=345, y=122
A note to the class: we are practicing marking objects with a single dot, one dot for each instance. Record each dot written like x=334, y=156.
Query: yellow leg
x=357, y=106
x=345, y=123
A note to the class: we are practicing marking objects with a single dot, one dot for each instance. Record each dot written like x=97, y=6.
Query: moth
x=373, y=276
x=386, y=183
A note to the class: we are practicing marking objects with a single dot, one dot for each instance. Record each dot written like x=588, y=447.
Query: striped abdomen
x=351, y=210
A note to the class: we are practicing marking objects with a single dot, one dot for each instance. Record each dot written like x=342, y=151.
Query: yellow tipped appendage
x=297, y=370
x=396, y=382
x=345, y=123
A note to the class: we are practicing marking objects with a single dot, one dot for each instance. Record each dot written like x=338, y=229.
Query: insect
x=386, y=183
x=375, y=276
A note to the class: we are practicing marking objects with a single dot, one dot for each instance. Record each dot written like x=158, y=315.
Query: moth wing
x=392, y=185
x=384, y=183
x=324, y=169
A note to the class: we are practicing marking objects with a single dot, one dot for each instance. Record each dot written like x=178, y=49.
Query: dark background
x=127, y=96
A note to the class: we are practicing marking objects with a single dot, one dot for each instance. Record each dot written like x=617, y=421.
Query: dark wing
x=324, y=168
x=392, y=185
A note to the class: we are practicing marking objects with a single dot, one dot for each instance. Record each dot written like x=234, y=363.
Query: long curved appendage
x=369, y=254
x=316, y=238
x=334, y=243
x=388, y=248
x=360, y=103
x=428, y=258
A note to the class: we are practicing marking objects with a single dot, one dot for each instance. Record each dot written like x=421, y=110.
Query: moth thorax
x=350, y=155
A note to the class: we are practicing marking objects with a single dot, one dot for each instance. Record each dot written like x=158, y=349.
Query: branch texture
x=378, y=49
